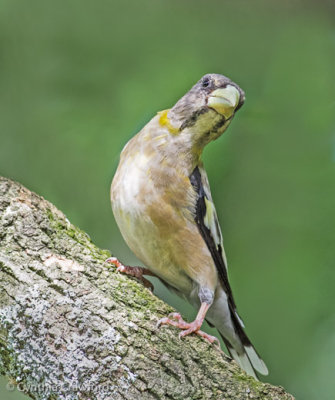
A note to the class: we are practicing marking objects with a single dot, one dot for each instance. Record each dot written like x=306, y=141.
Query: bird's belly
x=144, y=238
x=155, y=219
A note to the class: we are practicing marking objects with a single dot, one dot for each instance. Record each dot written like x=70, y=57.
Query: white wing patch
x=211, y=220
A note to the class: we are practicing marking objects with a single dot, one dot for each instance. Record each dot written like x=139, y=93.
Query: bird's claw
x=136, y=272
x=175, y=319
x=119, y=266
x=169, y=321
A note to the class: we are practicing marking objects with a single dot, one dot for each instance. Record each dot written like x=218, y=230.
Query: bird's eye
x=205, y=82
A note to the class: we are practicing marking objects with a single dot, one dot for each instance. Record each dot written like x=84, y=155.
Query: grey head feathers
x=195, y=102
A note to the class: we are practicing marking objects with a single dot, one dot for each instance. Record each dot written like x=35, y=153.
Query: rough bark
x=72, y=328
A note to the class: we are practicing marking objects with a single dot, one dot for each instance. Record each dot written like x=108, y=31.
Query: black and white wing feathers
x=209, y=228
x=208, y=225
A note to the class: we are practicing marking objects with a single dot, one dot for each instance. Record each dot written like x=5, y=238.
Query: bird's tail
x=244, y=352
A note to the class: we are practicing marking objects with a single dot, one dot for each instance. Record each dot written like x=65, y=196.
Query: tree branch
x=72, y=328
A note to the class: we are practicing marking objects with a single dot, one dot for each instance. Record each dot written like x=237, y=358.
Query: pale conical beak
x=224, y=100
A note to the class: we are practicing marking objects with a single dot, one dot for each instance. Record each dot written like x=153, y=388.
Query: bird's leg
x=136, y=272
x=190, y=327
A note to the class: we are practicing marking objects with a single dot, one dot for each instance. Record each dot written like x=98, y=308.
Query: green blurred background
x=79, y=78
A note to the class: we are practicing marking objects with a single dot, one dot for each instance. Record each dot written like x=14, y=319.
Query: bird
x=162, y=204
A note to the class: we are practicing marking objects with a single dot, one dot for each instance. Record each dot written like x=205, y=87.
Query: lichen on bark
x=72, y=328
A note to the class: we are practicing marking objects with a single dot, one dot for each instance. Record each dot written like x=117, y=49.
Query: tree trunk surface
x=73, y=328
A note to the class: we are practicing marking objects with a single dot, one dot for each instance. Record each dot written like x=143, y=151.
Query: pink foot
x=176, y=320
x=136, y=272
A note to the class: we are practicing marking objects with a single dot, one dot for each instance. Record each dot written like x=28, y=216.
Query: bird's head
x=206, y=110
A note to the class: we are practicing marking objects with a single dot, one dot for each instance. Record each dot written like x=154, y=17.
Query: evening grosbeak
x=163, y=206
